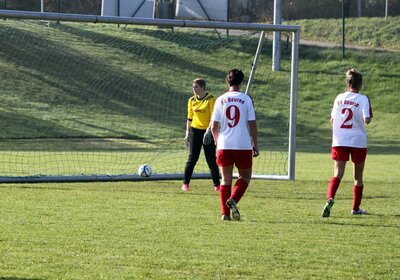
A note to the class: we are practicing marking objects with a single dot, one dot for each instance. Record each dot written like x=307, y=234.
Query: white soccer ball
x=145, y=170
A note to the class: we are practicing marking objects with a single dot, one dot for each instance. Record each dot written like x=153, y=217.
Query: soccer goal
x=89, y=97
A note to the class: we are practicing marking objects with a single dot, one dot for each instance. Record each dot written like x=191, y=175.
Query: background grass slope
x=367, y=32
x=32, y=91
x=80, y=78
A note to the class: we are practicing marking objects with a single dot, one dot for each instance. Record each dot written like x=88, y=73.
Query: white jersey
x=233, y=110
x=348, y=113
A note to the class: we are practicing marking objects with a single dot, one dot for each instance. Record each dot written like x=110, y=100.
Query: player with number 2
x=351, y=111
x=233, y=125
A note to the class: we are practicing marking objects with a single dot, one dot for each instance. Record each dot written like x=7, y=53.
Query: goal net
x=94, y=101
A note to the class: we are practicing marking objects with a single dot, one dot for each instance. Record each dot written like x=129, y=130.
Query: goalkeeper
x=198, y=134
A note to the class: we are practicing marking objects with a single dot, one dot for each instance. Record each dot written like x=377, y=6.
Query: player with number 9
x=234, y=128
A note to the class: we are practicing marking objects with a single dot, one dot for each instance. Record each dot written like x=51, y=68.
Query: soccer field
x=153, y=230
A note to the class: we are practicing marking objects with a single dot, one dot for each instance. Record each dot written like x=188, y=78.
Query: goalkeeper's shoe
x=359, y=212
x=326, y=212
x=231, y=203
x=185, y=187
x=225, y=218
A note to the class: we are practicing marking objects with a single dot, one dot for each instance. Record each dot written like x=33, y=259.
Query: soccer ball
x=145, y=170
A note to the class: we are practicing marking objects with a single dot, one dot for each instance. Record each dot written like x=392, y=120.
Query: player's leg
x=241, y=184
x=358, y=173
x=358, y=158
x=340, y=155
x=238, y=191
x=338, y=172
x=193, y=157
x=225, y=190
x=225, y=163
x=244, y=162
x=209, y=152
x=339, y=167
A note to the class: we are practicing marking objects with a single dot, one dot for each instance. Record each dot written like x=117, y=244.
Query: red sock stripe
x=224, y=195
x=333, y=187
x=239, y=189
x=357, y=196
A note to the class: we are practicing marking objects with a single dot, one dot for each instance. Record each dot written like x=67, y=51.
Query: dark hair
x=354, y=79
x=234, y=77
x=200, y=81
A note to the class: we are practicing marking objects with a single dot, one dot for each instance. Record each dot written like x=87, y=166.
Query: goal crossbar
x=11, y=14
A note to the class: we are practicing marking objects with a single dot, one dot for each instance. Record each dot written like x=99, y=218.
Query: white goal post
x=87, y=100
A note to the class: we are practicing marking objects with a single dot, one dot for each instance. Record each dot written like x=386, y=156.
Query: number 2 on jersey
x=347, y=122
x=233, y=115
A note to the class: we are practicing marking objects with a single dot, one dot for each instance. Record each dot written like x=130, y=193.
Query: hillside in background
x=364, y=32
x=321, y=78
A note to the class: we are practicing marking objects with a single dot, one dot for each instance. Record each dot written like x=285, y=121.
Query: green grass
x=35, y=106
x=364, y=32
x=153, y=230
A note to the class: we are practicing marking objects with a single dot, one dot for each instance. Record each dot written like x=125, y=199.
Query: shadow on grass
x=334, y=221
x=361, y=224
x=93, y=83
x=323, y=145
x=384, y=147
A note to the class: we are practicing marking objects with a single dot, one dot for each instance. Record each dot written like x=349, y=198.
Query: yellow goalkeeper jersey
x=200, y=111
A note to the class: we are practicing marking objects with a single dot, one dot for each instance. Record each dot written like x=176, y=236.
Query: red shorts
x=242, y=159
x=343, y=154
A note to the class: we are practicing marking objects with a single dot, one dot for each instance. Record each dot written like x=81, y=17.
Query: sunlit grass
x=365, y=31
x=153, y=230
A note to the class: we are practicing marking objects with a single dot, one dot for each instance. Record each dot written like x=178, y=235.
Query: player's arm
x=334, y=109
x=253, y=133
x=368, y=112
x=188, y=125
x=215, y=130
x=188, y=120
x=208, y=138
x=214, y=123
x=211, y=105
x=251, y=121
x=188, y=132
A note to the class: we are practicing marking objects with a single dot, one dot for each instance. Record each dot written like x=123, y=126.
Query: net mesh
x=83, y=99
